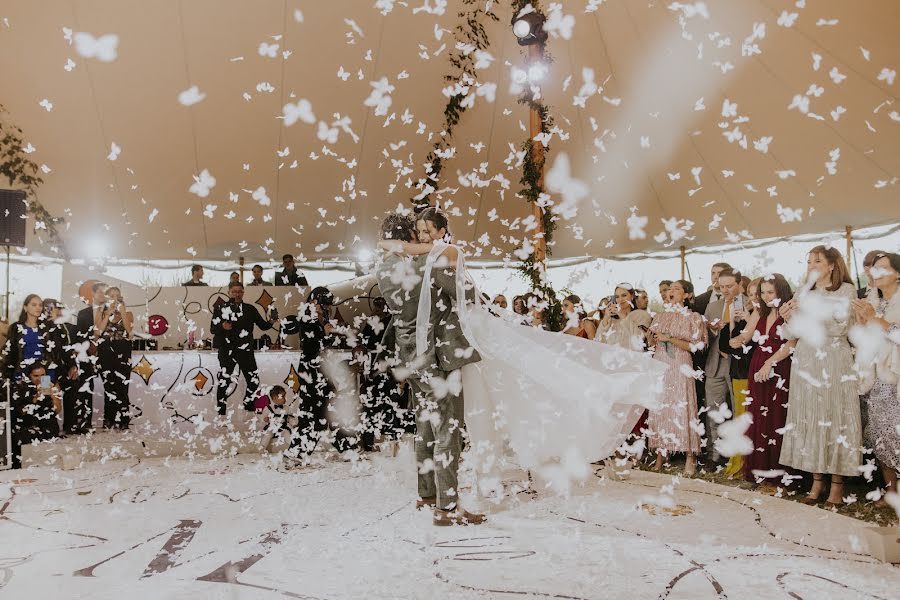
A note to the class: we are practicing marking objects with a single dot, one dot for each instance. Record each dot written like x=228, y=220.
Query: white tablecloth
x=172, y=392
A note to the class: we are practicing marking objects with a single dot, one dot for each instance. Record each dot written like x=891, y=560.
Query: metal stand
x=6, y=429
x=7, y=283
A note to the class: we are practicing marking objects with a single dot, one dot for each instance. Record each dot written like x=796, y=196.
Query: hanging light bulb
x=521, y=28
x=529, y=28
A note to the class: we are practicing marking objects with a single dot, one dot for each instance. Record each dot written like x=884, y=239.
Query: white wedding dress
x=554, y=401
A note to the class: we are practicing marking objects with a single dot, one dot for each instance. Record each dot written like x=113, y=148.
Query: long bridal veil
x=550, y=399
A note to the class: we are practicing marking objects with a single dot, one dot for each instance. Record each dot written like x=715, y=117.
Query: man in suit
x=720, y=321
x=868, y=261
x=713, y=293
x=290, y=275
x=88, y=367
x=438, y=445
x=196, y=276
x=232, y=327
x=257, y=276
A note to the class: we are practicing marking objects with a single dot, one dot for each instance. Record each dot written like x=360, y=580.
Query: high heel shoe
x=811, y=500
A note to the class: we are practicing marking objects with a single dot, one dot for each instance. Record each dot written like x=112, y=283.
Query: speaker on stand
x=12, y=227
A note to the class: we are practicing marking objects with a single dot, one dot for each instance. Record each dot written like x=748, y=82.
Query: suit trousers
x=76, y=411
x=437, y=443
x=114, y=365
x=230, y=362
x=718, y=392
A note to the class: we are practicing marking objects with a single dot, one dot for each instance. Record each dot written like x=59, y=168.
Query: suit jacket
x=716, y=364
x=701, y=302
x=243, y=317
x=445, y=335
x=295, y=278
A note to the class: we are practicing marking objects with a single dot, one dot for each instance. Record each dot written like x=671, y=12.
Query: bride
x=557, y=402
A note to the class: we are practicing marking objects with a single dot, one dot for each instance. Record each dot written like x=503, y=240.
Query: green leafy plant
x=470, y=32
x=22, y=173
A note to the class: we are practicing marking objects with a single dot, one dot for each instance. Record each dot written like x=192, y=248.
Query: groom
x=433, y=376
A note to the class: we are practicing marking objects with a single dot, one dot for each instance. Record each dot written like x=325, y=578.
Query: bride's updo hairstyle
x=398, y=227
x=438, y=220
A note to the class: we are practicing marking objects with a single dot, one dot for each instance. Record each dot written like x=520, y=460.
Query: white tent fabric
x=692, y=122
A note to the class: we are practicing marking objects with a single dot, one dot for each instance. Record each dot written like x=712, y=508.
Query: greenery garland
x=531, y=191
x=22, y=173
x=470, y=32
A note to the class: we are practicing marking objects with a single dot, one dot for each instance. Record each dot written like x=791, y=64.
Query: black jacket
x=243, y=317
x=15, y=345
x=739, y=366
x=295, y=278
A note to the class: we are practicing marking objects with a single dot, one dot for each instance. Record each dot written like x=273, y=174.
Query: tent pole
x=536, y=55
x=849, y=234
x=7, y=283
x=241, y=270
x=683, y=254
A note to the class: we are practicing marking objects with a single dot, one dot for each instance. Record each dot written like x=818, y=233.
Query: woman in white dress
x=558, y=402
x=623, y=324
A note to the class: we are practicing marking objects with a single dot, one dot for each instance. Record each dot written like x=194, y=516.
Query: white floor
x=239, y=529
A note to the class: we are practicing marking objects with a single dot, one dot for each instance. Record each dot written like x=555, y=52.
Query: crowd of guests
x=814, y=369
x=811, y=372
x=52, y=366
x=289, y=275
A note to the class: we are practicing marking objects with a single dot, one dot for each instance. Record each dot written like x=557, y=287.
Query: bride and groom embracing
x=548, y=402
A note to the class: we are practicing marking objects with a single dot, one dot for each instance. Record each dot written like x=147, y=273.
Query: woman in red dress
x=768, y=387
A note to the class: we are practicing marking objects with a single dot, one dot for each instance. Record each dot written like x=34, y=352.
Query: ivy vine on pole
x=22, y=173
x=532, y=180
x=470, y=36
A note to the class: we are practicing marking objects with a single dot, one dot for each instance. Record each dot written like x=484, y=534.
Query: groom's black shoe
x=426, y=502
x=457, y=516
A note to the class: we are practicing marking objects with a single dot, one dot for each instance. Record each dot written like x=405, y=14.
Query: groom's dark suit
x=438, y=419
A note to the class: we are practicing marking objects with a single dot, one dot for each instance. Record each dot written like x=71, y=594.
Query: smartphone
x=45, y=382
x=739, y=303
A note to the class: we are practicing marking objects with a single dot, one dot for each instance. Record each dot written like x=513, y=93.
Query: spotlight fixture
x=529, y=28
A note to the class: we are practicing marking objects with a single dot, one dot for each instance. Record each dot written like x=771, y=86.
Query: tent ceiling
x=654, y=66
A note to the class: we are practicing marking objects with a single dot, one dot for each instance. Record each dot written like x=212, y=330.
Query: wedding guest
x=258, y=276
x=232, y=326
x=384, y=399
x=879, y=314
x=112, y=338
x=88, y=367
x=196, y=276
x=519, y=306
x=868, y=260
x=317, y=333
x=234, y=277
x=61, y=338
x=35, y=406
x=500, y=300
x=823, y=429
x=289, y=275
x=622, y=323
x=641, y=300
x=664, y=291
x=27, y=342
x=713, y=293
x=673, y=427
x=577, y=322
x=768, y=383
x=720, y=319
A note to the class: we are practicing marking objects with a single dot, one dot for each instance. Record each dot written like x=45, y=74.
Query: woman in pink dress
x=678, y=333
x=768, y=393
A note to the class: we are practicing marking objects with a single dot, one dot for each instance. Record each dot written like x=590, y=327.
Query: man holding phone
x=36, y=404
x=721, y=321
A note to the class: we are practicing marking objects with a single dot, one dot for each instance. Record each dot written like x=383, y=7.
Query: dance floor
x=238, y=528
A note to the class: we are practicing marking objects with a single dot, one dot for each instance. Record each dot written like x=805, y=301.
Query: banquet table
x=172, y=392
